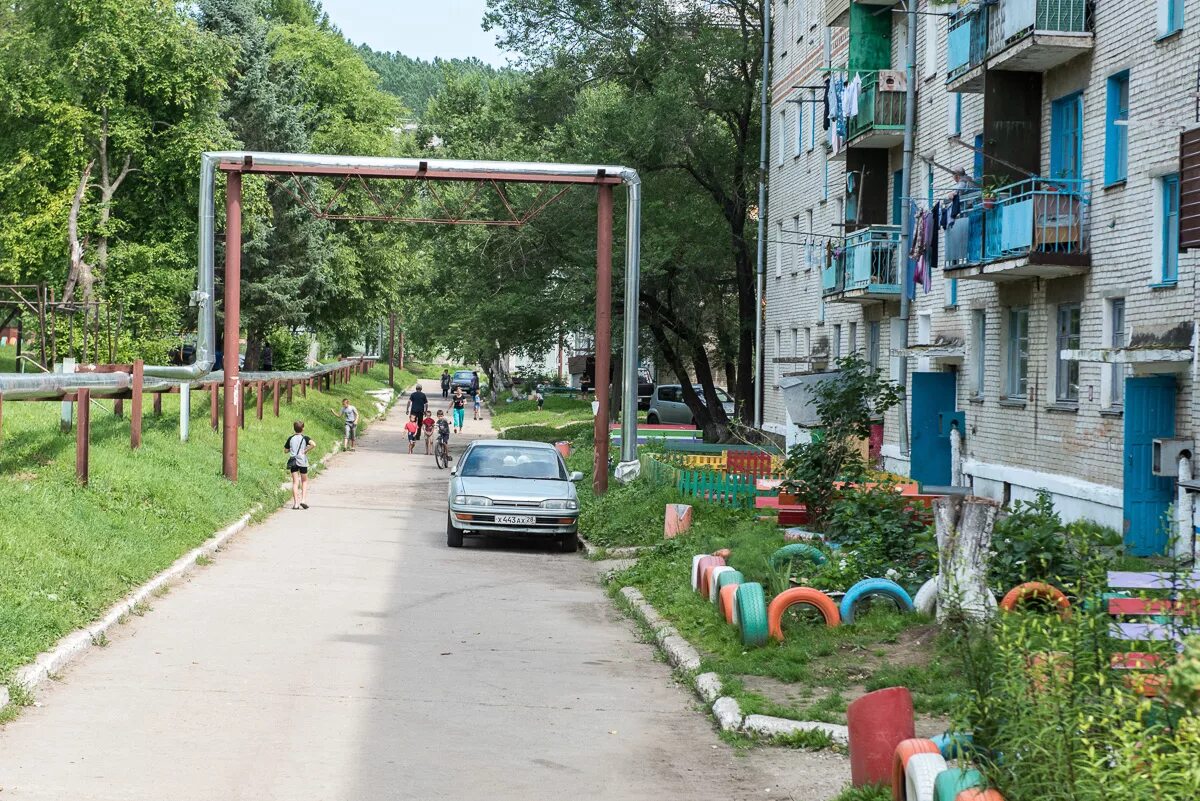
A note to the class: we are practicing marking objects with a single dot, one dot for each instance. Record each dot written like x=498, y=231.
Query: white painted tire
x=695, y=572
x=714, y=592
x=925, y=601
x=920, y=774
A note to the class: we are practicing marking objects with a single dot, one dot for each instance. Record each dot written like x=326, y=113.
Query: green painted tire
x=797, y=550
x=752, y=613
x=730, y=577
x=952, y=781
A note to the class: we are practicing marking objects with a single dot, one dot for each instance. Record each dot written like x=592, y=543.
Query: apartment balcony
x=879, y=122
x=1036, y=228
x=867, y=269
x=1015, y=35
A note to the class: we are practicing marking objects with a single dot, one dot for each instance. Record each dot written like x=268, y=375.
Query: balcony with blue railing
x=866, y=268
x=879, y=122
x=1036, y=228
x=1015, y=35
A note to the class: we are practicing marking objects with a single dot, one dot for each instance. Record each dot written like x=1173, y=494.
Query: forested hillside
x=416, y=81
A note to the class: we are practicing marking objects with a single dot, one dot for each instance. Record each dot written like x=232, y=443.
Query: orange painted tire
x=726, y=602
x=724, y=553
x=1036, y=589
x=799, y=595
x=704, y=573
x=976, y=794
x=905, y=751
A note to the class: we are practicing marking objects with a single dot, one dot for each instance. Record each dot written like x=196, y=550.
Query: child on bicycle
x=443, y=427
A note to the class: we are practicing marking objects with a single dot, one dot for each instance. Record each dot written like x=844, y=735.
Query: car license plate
x=517, y=520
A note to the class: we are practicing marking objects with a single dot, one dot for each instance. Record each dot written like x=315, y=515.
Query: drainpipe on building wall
x=761, y=284
x=1185, y=540
x=910, y=118
x=956, y=443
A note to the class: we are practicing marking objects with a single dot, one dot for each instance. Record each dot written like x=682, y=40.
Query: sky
x=418, y=28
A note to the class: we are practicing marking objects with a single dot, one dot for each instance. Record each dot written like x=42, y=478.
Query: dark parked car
x=462, y=378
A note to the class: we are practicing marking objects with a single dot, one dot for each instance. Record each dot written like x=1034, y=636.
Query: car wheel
x=454, y=536
x=652, y=419
x=568, y=543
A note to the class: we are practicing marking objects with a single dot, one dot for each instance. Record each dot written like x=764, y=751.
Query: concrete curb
x=599, y=552
x=683, y=655
x=73, y=645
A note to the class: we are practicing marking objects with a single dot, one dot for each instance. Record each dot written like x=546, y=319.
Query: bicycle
x=441, y=453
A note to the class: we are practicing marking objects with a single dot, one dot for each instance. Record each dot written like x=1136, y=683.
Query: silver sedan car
x=513, y=487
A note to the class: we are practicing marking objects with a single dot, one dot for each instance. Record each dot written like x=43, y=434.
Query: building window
x=1017, y=383
x=955, y=121
x=812, y=122
x=808, y=340
x=873, y=345
x=799, y=138
x=779, y=250
x=978, y=351
x=825, y=180
x=795, y=342
x=1116, y=129
x=1170, y=17
x=1116, y=387
x=837, y=342
x=1169, y=187
x=1066, y=373
x=778, y=345
x=931, y=44
x=854, y=337
x=782, y=136
x=813, y=250
x=799, y=245
x=1066, y=136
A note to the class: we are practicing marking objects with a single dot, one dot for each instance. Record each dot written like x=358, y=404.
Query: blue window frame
x=1116, y=130
x=1170, y=17
x=1066, y=136
x=812, y=125
x=977, y=172
x=799, y=129
x=1170, y=228
x=956, y=114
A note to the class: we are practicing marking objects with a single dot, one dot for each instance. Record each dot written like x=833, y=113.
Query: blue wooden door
x=932, y=397
x=1149, y=413
x=1066, y=136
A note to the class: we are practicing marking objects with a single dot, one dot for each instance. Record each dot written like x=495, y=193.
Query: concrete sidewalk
x=345, y=653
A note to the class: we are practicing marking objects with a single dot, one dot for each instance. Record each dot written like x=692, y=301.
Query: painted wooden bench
x=1130, y=624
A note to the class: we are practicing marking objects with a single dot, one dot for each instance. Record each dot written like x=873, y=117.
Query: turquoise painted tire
x=952, y=781
x=752, y=613
x=873, y=586
x=797, y=550
x=955, y=745
x=729, y=577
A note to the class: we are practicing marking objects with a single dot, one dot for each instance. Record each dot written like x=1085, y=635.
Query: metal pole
x=82, y=425
x=910, y=117
x=761, y=283
x=185, y=410
x=633, y=256
x=601, y=377
x=233, y=308
x=392, y=350
x=135, y=407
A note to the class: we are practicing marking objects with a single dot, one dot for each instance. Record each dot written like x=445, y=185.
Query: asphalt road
x=345, y=653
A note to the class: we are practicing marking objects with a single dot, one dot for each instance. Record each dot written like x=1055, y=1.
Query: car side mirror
x=454, y=471
x=575, y=476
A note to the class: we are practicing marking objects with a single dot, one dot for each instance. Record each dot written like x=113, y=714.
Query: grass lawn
x=68, y=552
x=8, y=359
x=817, y=670
x=556, y=411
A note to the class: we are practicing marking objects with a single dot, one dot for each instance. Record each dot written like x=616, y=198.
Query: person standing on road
x=413, y=429
x=417, y=403
x=475, y=400
x=445, y=383
x=297, y=447
x=349, y=416
x=539, y=398
x=458, y=404
x=427, y=431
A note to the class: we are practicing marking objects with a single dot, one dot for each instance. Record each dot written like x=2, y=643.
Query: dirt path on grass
x=346, y=653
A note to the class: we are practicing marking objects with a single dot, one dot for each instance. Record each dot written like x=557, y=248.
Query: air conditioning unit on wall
x=1166, y=453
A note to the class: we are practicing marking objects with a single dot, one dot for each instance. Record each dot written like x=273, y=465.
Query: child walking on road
x=458, y=404
x=414, y=430
x=297, y=447
x=427, y=431
x=349, y=416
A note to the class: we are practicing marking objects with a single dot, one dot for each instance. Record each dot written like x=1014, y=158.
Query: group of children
x=425, y=428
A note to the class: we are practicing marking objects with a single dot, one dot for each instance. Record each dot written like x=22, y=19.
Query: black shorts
x=298, y=469
x=414, y=437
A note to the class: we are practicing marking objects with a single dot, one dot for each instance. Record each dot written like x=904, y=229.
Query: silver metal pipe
x=633, y=281
x=760, y=284
x=40, y=386
x=910, y=117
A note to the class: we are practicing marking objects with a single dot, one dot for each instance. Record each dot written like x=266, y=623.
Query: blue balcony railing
x=967, y=42
x=986, y=30
x=869, y=262
x=1037, y=216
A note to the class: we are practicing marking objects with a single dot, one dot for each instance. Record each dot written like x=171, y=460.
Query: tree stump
x=964, y=537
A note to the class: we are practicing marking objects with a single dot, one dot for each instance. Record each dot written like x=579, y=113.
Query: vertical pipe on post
x=601, y=377
x=275, y=395
x=258, y=399
x=242, y=406
x=1185, y=540
x=761, y=277
x=135, y=406
x=289, y=391
x=82, y=424
x=214, y=400
x=119, y=407
x=156, y=406
x=910, y=112
x=185, y=411
x=233, y=300
x=633, y=257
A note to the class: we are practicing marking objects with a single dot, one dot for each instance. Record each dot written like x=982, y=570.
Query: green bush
x=886, y=532
x=289, y=351
x=566, y=433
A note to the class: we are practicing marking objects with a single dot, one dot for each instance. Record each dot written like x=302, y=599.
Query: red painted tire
x=726, y=604
x=877, y=722
x=905, y=751
x=800, y=595
x=704, y=572
x=1036, y=589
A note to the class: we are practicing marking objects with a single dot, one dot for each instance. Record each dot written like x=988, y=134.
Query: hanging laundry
x=931, y=248
x=853, y=89
x=825, y=103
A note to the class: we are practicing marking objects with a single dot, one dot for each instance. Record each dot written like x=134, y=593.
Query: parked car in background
x=462, y=378
x=667, y=405
x=513, y=488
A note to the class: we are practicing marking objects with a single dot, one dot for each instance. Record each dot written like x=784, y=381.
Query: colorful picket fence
x=659, y=473
x=725, y=489
x=704, y=462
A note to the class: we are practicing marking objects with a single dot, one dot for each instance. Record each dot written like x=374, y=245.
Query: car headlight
x=568, y=503
x=472, y=500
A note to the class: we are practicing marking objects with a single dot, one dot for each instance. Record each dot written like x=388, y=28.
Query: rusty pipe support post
x=83, y=416
x=135, y=406
x=233, y=309
x=601, y=377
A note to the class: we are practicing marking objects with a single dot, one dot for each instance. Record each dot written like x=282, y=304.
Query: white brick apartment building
x=1078, y=109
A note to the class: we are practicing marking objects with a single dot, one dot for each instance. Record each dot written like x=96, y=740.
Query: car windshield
x=513, y=461
x=722, y=395
x=463, y=375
